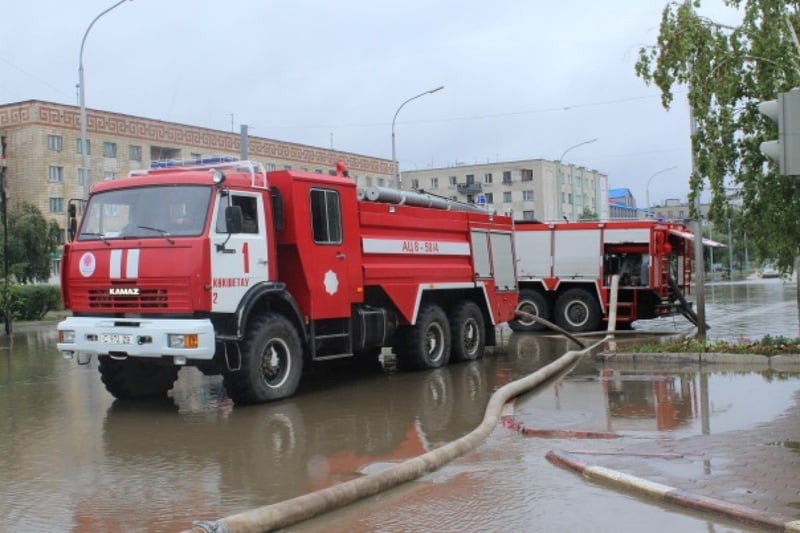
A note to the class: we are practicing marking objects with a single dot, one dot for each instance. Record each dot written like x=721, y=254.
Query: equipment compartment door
x=332, y=249
x=238, y=260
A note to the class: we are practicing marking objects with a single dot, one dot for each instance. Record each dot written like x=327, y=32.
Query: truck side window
x=249, y=206
x=326, y=216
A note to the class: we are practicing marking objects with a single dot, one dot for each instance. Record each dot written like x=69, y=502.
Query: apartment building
x=534, y=189
x=42, y=152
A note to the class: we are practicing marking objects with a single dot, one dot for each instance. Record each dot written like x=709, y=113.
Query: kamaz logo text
x=123, y=291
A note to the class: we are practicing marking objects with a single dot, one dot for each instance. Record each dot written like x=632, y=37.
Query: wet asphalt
x=73, y=459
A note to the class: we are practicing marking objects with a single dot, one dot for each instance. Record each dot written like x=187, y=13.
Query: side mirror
x=233, y=218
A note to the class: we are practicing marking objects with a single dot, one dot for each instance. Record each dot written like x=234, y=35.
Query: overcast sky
x=522, y=79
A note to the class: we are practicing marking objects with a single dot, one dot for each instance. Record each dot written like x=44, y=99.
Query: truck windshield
x=141, y=212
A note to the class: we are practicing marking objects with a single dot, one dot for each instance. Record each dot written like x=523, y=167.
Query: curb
x=669, y=494
x=774, y=362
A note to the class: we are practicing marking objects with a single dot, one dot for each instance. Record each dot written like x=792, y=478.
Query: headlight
x=177, y=340
x=66, y=336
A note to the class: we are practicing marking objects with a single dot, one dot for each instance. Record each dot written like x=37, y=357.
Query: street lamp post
x=590, y=141
x=648, y=186
x=395, y=167
x=558, y=170
x=82, y=87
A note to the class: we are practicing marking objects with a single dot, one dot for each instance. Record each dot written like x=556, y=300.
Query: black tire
x=136, y=377
x=577, y=311
x=532, y=302
x=427, y=343
x=468, y=332
x=272, y=362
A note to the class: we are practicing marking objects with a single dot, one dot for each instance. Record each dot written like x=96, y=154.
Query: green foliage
x=31, y=244
x=29, y=302
x=727, y=71
x=768, y=345
x=588, y=214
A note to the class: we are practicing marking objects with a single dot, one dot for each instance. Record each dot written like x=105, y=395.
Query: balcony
x=469, y=188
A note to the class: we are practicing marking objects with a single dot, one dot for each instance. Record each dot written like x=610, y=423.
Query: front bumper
x=141, y=337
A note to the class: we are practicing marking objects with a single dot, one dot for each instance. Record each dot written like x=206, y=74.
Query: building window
x=80, y=176
x=109, y=176
x=54, y=143
x=527, y=174
x=507, y=196
x=527, y=196
x=380, y=182
x=528, y=215
x=88, y=146
x=368, y=181
x=56, y=205
x=271, y=166
x=55, y=174
x=195, y=155
x=470, y=179
x=487, y=178
x=452, y=180
x=489, y=198
x=415, y=184
x=506, y=176
x=109, y=149
x=434, y=183
x=135, y=153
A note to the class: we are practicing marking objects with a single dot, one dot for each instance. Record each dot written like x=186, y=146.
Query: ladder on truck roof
x=258, y=174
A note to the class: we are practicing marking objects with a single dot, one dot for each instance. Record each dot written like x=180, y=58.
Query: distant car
x=768, y=271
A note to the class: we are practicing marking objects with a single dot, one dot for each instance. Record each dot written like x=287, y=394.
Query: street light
x=81, y=86
x=558, y=171
x=395, y=167
x=590, y=141
x=648, y=185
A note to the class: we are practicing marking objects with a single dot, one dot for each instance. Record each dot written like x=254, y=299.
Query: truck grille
x=146, y=299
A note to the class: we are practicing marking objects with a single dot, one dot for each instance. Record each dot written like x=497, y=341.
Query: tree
x=588, y=214
x=727, y=71
x=31, y=243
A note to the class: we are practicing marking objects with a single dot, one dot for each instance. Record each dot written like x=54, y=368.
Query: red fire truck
x=565, y=268
x=256, y=275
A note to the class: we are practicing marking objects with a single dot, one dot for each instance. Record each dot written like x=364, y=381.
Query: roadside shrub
x=29, y=302
x=767, y=345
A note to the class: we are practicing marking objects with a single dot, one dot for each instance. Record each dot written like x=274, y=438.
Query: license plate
x=116, y=338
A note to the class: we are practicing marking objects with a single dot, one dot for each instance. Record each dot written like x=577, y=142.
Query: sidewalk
x=750, y=475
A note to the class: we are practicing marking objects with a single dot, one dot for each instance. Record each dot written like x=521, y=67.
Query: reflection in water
x=73, y=458
x=667, y=400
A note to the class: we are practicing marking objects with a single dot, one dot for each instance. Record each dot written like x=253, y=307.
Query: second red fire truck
x=565, y=268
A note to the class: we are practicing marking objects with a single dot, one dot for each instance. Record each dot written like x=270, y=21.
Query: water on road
x=74, y=459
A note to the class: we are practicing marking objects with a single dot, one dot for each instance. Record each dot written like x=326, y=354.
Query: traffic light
x=785, y=151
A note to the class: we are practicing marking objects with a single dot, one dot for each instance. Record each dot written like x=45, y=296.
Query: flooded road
x=74, y=459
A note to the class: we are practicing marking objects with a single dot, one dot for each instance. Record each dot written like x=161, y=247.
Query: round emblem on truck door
x=87, y=264
x=331, y=282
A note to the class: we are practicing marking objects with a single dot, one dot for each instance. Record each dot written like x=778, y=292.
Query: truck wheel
x=426, y=344
x=467, y=328
x=534, y=303
x=272, y=362
x=577, y=311
x=133, y=378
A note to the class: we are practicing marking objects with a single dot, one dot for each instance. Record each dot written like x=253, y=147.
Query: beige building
x=41, y=143
x=535, y=189
x=676, y=210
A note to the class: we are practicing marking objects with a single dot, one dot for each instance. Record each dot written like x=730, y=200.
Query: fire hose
x=294, y=510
